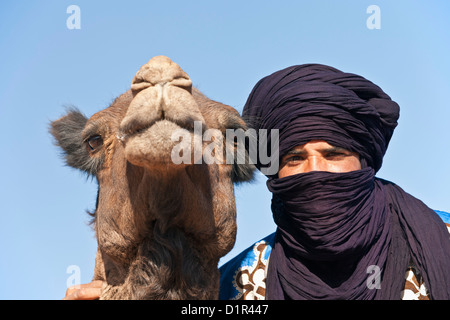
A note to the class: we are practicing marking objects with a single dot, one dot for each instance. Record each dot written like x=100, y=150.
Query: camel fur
x=161, y=227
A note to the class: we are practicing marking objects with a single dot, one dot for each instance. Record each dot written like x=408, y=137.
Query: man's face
x=318, y=155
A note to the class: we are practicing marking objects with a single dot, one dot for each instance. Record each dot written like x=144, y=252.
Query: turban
x=318, y=102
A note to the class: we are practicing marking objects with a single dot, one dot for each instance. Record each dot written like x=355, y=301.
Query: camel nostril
x=160, y=70
x=139, y=85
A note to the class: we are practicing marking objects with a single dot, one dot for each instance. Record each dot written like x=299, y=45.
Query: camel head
x=164, y=216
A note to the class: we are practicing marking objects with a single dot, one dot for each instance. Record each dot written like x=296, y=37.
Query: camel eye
x=94, y=142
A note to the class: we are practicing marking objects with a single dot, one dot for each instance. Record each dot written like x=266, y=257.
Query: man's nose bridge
x=316, y=163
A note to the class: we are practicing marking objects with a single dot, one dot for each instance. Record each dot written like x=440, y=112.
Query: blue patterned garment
x=244, y=277
x=445, y=216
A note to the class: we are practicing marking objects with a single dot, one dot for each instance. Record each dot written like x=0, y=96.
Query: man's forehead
x=315, y=145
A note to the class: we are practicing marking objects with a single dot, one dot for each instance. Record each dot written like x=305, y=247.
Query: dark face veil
x=334, y=227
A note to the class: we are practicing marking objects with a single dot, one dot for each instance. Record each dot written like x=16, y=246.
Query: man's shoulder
x=250, y=266
x=243, y=276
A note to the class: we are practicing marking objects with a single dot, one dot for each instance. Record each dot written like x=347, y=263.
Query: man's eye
x=294, y=159
x=94, y=142
x=335, y=155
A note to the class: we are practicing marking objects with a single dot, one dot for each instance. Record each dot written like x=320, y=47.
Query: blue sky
x=225, y=47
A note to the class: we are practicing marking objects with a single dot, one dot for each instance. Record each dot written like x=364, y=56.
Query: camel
x=161, y=227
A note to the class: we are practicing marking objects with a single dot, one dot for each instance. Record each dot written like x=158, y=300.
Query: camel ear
x=242, y=172
x=243, y=169
x=67, y=133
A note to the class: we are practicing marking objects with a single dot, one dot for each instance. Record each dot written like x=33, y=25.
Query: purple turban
x=318, y=102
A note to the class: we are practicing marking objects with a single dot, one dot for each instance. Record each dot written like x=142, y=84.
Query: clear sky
x=225, y=47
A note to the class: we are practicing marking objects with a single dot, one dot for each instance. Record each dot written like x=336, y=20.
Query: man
x=341, y=232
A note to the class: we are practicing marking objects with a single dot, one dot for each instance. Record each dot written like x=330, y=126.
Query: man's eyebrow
x=331, y=149
x=334, y=149
x=296, y=151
